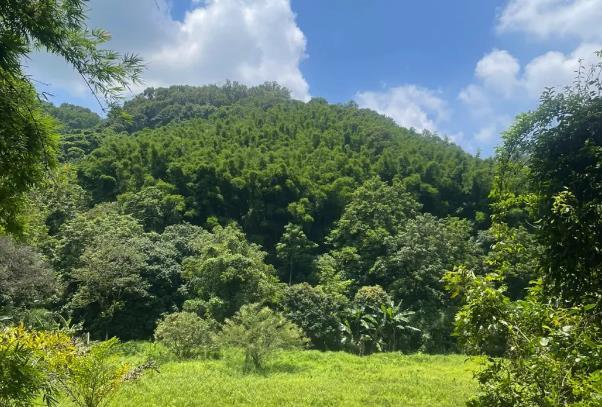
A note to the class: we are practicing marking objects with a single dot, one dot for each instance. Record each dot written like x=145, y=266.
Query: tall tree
x=376, y=212
x=294, y=252
x=227, y=272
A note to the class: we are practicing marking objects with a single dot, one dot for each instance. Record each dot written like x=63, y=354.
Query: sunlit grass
x=308, y=378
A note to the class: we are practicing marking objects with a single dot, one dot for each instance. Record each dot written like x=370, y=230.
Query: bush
x=37, y=364
x=316, y=313
x=20, y=380
x=96, y=375
x=30, y=364
x=187, y=335
x=260, y=331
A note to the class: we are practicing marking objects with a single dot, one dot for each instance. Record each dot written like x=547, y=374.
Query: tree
x=294, y=252
x=155, y=206
x=89, y=250
x=109, y=265
x=28, y=143
x=228, y=272
x=52, y=203
x=108, y=280
x=26, y=280
x=560, y=146
x=260, y=331
x=27, y=137
x=84, y=228
x=316, y=313
x=548, y=174
x=416, y=259
x=376, y=211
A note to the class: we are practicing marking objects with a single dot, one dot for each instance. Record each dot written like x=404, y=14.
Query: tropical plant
x=32, y=364
x=369, y=329
x=259, y=331
x=94, y=376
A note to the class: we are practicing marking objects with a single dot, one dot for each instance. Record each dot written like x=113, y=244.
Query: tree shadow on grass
x=281, y=367
x=273, y=367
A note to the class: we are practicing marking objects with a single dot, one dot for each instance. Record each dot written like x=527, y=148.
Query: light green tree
x=156, y=206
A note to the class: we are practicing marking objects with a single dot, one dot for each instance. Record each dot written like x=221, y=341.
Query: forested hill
x=253, y=155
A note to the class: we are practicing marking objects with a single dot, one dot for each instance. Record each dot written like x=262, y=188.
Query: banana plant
x=376, y=329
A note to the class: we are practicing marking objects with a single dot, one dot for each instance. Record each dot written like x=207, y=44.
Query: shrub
x=187, y=335
x=30, y=364
x=20, y=380
x=38, y=363
x=550, y=355
x=316, y=313
x=260, y=331
x=95, y=376
x=374, y=323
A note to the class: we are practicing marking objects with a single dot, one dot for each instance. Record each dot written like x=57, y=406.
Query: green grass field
x=308, y=378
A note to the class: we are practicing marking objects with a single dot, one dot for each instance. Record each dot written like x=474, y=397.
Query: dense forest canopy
x=257, y=157
x=209, y=198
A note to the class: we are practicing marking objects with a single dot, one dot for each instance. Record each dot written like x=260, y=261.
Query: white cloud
x=498, y=70
x=548, y=19
x=408, y=105
x=503, y=88
x=500, y=73
x=249, y=41
x=555, y=69
x=477, y=98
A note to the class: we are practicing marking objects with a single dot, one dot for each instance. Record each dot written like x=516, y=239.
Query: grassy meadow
x=307, y=378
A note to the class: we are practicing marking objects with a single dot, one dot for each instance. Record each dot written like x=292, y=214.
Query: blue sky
x=380, y=43
x=462, y=69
